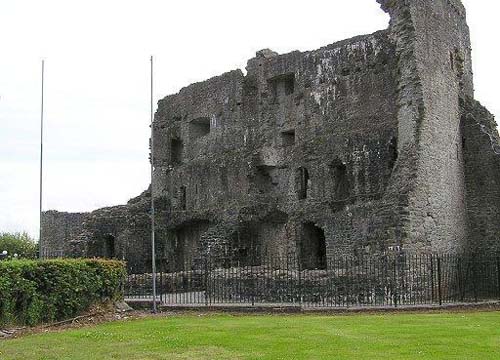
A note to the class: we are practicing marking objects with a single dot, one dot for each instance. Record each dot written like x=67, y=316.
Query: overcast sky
x=97, y=81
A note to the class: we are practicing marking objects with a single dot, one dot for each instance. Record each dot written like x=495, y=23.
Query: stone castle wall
x=58, y=228
x=362, y=145
x=433, y=48
x=327, y=115
x=482, y=177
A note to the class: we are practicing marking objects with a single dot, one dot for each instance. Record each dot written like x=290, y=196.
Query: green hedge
x=33, y=292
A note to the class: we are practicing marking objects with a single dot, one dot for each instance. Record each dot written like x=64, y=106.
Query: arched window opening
x=340, y=180
x=312, y=247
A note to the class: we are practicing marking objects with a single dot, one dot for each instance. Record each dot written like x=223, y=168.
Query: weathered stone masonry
x=365, y=144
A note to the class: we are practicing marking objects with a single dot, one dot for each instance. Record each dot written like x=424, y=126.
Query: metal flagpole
x=40, y=247
x=153, y=250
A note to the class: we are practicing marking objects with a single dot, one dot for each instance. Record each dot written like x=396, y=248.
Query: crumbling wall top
x=389, y=5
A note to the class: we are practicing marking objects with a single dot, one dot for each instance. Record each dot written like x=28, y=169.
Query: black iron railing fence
x=395, y=279
x=52, y=254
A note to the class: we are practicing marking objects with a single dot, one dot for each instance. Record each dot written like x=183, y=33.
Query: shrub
x=33, y=292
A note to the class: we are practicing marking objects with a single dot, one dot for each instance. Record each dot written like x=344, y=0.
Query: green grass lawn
x=392, y=336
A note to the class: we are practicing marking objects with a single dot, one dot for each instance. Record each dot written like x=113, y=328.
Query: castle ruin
x=366, y=144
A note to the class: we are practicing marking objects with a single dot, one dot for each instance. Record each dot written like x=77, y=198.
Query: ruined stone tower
x=365, y=144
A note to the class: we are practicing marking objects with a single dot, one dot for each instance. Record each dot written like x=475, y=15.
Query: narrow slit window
x=303, y=183
x=393, y=152
x=183, y=198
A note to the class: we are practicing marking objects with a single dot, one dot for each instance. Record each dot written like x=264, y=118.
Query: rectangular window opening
x=176, y=151
x=288, y=138
x=282, y=85
x=199, y=128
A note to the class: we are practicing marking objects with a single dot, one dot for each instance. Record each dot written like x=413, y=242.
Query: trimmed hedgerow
x=33, y=292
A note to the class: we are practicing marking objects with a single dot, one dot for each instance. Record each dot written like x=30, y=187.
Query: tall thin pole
x=41, y=163
x=153, y=250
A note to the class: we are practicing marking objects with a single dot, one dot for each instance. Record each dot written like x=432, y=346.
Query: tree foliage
x=18, y=243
